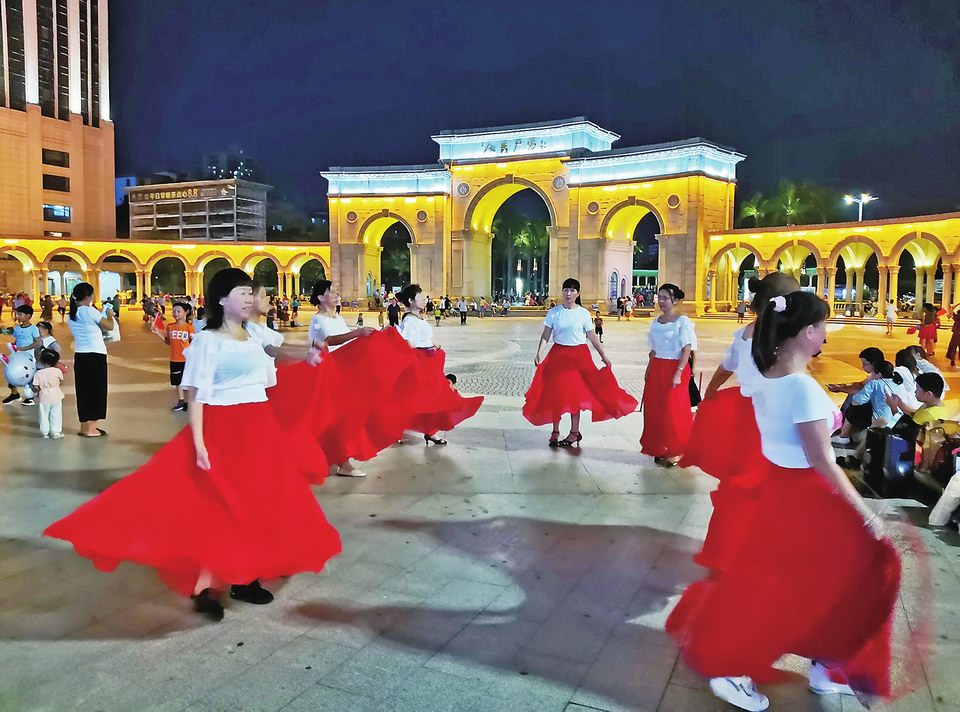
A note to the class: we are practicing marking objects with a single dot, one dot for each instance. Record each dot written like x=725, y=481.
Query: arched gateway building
x=595, y=194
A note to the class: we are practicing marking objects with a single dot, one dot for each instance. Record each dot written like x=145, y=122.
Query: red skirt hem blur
x=928, y=332
x=251, y=516
x=725, y=444
x=808, y=579
x=667, y=415
x=568, y=381
x=301, y=401
x=430, y=402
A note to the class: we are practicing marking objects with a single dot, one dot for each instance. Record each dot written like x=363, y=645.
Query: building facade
x=596, y=196
x=199, y=210
x=56, y=135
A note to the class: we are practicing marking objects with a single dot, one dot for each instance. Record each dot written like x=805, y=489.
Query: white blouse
x=667, y=340
x=907, y=391
x=225, y=371
x=780, y=405
x=87, y=335
x=570, y=326
x=323, y=327
x=739, y=361
x=266, y=337
x=417, y=332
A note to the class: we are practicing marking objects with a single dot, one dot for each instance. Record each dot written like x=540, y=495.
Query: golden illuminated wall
x=23, y=136
x=932, y=241
x=34, y=259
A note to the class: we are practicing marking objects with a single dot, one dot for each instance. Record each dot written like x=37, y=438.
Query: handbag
x=695, y=395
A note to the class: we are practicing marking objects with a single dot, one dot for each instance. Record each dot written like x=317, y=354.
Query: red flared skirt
x=725, y=443
x=667, y=415
x=568, y=381
x=928, y=332
x=301, y=402
x=251, y=516
x=808, y=579
x=429, y=401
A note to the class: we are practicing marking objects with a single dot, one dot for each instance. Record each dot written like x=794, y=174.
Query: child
x=178, y=335
x=380, y=318
x=598, y=325
x=452, y=377
x=26, y=336
x=437, y=313
x=48, y=380
x=891, y=316
x=360, y=319
x=46, y=338
x=741, y=311
x=929, y=392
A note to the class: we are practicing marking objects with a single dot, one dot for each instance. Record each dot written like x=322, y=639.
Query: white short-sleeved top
x=667, y=340
x=87, y=335
x=417, y=332
x=225, y=371
x=739, y=361
x=780, y=405
x=570, y=326
x=909, y=388
x=927, y=367
x=323, y=327
x=266, y=337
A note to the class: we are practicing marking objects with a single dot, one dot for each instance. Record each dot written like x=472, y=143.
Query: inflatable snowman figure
x=20, y=368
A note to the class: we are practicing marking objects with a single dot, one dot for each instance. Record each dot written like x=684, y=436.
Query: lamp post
x=861, y=201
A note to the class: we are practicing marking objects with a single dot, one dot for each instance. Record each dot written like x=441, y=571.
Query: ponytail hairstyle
x=775, y=284
x=406, y=295
x=676, y=294
x=321, y=287
x=885, y=370
x=781, y=319
x=571, y=283
x=873, y=356
x=907, y=360
x=81, y=291
x=222, y=283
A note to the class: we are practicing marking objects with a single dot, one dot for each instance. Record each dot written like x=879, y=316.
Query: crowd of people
x=244, y=511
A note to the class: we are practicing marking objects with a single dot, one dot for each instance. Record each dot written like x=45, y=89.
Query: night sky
x=860, y=95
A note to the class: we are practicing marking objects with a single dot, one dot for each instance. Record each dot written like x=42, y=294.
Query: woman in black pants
x=88, y=326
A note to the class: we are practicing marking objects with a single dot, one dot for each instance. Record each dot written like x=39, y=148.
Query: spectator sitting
x=884, y=382
x=929, y=392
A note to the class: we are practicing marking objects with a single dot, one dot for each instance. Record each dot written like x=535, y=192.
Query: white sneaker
x=57, y=436
x=821, y=684
x=350, y=473
x=840, y=440
x=46, y=435
x=739, y=692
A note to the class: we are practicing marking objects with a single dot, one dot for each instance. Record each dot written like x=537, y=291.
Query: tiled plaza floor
x=489, y=575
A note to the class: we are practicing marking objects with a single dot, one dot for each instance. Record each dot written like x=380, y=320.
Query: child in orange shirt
x=178, y=335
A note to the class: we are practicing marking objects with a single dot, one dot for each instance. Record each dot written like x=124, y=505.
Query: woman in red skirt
x=724, y=441
x=219, y=505
x=567, y=381
x=813, y=575
x=929, y=323
x=431, y=402
x=667, y=417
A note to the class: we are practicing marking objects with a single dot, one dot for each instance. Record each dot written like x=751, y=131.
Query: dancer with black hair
x=813, y=576
x=725, y=441
x=666, y=388
x=929, y=324
x=219, y=505
x=431, y=406
x=566, y=380
x=88, y=326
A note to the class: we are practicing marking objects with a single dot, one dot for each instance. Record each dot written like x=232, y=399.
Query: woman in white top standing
x=667, y=416
x=220, y=505
x=567, y=381
x=812, y=576
x=428, y=399
x=88, y=325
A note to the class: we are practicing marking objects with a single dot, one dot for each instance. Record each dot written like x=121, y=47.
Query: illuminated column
x=31, y=52
x=103, y=59
x=34, y=275
x=73, y=48
x=95, y=281
x=919, y=274
x=894, y=285
x=43, y=281
x=821, y=281
x=713, y=290
x=832, y=288
x=139, y=284
x=882, y=289
x=282, y=283
x=946, y=300
x=861, y=287
x=931, y=283
x=849, y=285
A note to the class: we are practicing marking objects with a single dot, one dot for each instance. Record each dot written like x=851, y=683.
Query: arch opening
x=217, y=264
x=168, y=275
x=118, y=275
x=64, y=272
x=266, y=272
x=519, y=258
x=16, y=267
x=394, y=258
x=311, y=272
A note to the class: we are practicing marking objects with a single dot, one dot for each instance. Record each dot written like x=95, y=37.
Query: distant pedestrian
x=891, y=316
x=393, y=313
x=741, y=310
x=46, y=307
x=598, y=325
x=462, y=310
x=88, y=325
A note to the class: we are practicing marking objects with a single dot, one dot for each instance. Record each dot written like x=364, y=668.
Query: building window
x=56, y=213
x=56, y=158
x=59, y=183
x=55, y=233
x=16, y=57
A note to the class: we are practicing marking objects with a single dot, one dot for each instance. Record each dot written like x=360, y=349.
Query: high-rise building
x=56, y=136
x=233, y=163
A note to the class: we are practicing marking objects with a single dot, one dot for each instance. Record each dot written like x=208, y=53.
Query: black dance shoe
x=205, y=604
x=252, y=592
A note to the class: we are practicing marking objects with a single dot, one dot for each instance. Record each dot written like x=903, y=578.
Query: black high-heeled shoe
x=554, y=438
x=436, y=441
x=206, y=604
x=570, y=441
x=252, y=592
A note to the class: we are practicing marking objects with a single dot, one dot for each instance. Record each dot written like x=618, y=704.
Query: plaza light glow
x=864, y=199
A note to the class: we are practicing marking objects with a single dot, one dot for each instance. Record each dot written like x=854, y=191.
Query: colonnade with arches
x=849, y=264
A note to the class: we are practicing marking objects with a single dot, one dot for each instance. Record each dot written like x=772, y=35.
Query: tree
x=792, y=204
x=754, y=209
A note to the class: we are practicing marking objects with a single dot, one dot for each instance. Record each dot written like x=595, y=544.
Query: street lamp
x=861, y=201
